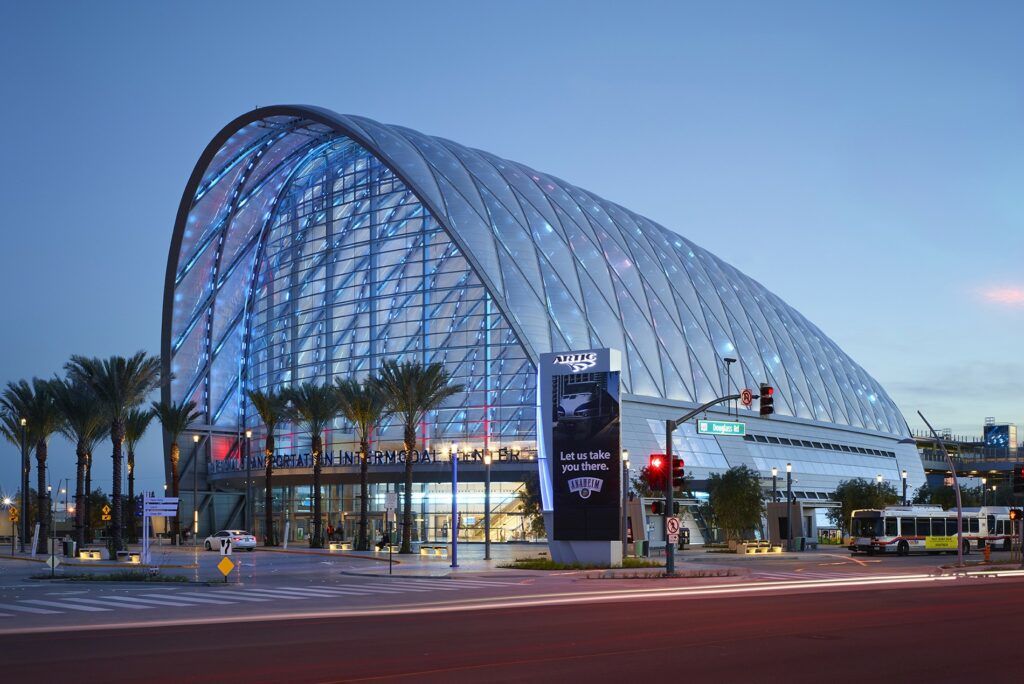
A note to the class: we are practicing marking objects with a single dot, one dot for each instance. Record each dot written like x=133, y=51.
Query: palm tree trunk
x=88, y=497
x=175, y=486
x=317, y=540
x=131, y=495
x=116, y=438
x=269, y=538
x=82, y=454
x=364, y=496
x=410, y=445
x=42, y=496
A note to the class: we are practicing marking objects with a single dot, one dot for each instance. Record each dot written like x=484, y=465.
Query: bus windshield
x=867, y=527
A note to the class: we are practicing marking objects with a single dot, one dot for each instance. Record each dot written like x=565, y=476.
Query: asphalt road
x=958, y=630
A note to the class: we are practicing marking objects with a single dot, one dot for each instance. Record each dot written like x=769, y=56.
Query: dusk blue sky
x=863, y=161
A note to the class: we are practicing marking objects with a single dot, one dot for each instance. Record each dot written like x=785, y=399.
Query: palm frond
x=176, y=418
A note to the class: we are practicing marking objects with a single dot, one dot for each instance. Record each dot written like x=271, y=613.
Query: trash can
x=69, y=548
x=643, y=550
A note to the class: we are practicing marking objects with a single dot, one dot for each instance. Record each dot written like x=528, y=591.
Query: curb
x=19, y=558
x=328, y=554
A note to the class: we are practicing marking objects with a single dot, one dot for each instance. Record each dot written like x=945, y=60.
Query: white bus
x=929, y=529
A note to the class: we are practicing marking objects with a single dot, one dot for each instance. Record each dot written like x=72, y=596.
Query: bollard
x=988, y=553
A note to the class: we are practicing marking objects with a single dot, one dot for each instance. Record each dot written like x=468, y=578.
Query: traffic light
x=767, y=400
x=1018, y=478
x=678, y=475
x=657, y=463
x=658, y=507
x=1016, y=514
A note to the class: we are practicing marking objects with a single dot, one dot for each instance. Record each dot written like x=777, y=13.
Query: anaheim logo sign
x=578, y=362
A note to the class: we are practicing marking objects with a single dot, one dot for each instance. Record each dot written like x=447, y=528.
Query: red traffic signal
x=678, y=473
x=1018, y=478
x=1016, y=514
x=767, y=403
x=657, y=463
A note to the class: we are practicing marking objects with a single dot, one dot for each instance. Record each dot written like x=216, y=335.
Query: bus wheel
x=902, y=549
x=967, y=548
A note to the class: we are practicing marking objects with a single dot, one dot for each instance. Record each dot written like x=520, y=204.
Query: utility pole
x=455, y=506
x=625, y=501
x=670, y=427
x=789, y=506
x=24, y=484
x=487, y=505
x=248, y=482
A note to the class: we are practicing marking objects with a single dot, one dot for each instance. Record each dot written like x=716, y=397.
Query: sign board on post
x=225, y=546
x=580, y=466
x=672, y=525
x=747, y=397
x=721, y=428
x=391, y=502
x=12, y=514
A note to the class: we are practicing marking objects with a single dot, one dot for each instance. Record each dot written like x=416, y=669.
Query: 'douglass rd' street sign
x=721, y=427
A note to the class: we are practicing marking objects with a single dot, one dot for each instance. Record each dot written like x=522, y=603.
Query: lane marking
x=101, y=602
x=26, y=609
x=237, y=596
x=153, y=602
x=69, y=606
x=197, y=599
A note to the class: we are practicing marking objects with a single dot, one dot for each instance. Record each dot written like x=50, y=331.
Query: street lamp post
x=789, y=506
x=195, y=488
x=625, y=501
x=878, y=483
x=775, y=484
x=248, y=481
x=728, y=385
x=24, y=484
x=903, y=475
x=984, y=491
x=455, y=505
x=49, y=501
x=487, y=505
x=8, y=502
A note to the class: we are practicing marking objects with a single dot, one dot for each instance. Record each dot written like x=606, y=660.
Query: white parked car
x=240, y=539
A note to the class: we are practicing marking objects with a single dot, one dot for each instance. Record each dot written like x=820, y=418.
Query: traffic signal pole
x=670, y=427
x=956, y=488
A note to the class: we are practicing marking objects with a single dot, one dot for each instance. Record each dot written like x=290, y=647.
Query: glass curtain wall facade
x=311, y=246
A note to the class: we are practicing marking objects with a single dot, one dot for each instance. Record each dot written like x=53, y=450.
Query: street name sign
x=721, y=427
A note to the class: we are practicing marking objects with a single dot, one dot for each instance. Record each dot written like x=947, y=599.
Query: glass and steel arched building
x=310, y=245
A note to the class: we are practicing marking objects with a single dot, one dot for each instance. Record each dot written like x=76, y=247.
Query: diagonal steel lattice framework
x=310, y=245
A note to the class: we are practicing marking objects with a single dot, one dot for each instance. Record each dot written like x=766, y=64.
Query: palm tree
x=271, y=408
x=135, y=426
x=119, y=385
x=410, y=390
x=176, y=419
x=363, y=406
x=315, y=407
x=84, y=424
x=35, y=403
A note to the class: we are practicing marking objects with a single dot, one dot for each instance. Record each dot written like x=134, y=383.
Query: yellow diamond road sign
x=106, y=509
x=225, y=566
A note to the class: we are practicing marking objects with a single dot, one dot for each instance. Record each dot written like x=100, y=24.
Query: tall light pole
x=8, y=502
x=878, y=484
x=24, y=483
x=984, y=491
x=775, y=484
x=789, y=506
x=195, y=488
x=903, y=475
x=455, y=505
x=487, y=505
x=248, y=481
x=728, y=385
x=625, y=501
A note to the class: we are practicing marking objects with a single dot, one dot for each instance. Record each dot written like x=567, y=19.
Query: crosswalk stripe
x=197, y=599
x=71, y=606
x=341, y=592
x=416, y=586
x=309, y=592
x=154, y=602
x=100, y=602
x=236, y=595
x=26, y=609
x=277, y=594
